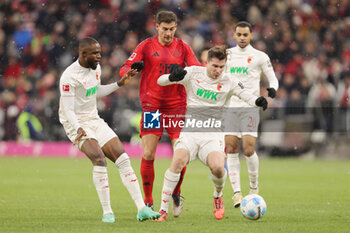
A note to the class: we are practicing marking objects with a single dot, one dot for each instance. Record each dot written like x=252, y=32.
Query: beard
x=92, y=64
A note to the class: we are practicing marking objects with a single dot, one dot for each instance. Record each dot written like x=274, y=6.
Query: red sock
x=177, y=189
x=147, y=174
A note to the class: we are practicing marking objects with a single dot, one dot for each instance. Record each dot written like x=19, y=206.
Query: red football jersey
x=157, y=59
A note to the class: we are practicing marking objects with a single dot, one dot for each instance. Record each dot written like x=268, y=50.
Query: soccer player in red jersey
x=154, y=56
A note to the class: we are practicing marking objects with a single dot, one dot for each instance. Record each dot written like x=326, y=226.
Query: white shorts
x=242, y=121
x=200, y=145
x=97, y=129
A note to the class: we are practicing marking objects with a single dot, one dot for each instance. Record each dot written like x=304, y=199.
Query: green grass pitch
x=57, y=195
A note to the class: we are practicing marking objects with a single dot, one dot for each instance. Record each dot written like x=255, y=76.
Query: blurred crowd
x=308, y=42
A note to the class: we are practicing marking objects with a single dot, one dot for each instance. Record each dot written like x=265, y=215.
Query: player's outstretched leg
x=100, y=179
x=131, y=183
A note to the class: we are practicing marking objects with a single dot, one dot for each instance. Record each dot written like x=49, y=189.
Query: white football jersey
x=245, y=65
x=81, y=84
x=203, y=91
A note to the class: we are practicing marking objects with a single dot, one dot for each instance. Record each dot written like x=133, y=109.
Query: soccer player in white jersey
x=209, y=147
x=80, y=84
x=245, y=64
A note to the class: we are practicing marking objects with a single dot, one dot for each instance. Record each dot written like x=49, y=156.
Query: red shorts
x=154, y=121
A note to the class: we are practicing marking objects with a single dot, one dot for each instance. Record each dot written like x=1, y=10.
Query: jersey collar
x=244, y=49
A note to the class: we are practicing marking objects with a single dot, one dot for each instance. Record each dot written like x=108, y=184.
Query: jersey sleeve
x=137, y=55
x=67, y=85
x=67, y=90
x=238, y=89
x=163, y=80
x=267, y=69
x=190, y=58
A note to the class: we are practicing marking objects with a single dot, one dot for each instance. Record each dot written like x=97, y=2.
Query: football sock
x=234, y=169
x=100, y=179
x=177, y=189
x=170, y=181
x=147, y=175
x=129, y=180
x=219, y=184
x=253, y=169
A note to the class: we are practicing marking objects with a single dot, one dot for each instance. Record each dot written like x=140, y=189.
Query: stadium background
x=307, y=41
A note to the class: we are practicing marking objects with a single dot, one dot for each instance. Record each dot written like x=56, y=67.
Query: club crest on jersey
x=96, y=76
x=249, y=60
x=219, y=86
x=133, y=55
x=65, y=88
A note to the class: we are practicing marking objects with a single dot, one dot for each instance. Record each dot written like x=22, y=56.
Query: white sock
x=253, y=169
x=219, y=184
x=129, y=180
x=170, y=181
x=234, y=169
x=100, y=179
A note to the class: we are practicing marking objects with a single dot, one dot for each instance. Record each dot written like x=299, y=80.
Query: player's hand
x=177, y=73
x=81, y=133
x=272, y=92
x=127, y=76
x=261, y=102
x=137, y=66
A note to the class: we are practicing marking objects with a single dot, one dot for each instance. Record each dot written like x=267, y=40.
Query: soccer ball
x=253, y=206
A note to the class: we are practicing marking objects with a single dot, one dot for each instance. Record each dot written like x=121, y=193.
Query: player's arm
x=176, y=76
x=190, y=58
x=271, y=77
x=104, y=90
x=134, y=61
x=67, y=91
x=239, y=90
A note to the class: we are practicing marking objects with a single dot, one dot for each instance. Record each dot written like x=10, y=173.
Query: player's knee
x=230, y=148
x=249, y=151
x=148, y=154
x=178, y=164
x=99, y=160
x=218, y=170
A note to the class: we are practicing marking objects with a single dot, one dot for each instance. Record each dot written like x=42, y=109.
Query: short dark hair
x=166, y=17
x=244, y=24
x=87, y=42
x=218, y=51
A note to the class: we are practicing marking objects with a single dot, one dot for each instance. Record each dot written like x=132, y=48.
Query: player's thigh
x=216, y=163
x=231, y=143
x=149, y=145
x=113, y=149
x=248, y=144
x=187, y=141
x=93, y=151
x=180, y=158
x=209, y=145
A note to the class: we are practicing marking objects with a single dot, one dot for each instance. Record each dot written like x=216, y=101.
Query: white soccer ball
x=253, y=206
